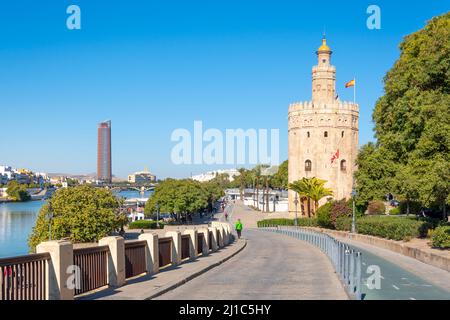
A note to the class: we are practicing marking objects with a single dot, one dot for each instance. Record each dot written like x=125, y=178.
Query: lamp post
x=296, y=203
x=50, y=218
x=353, y=211
x=157, y=216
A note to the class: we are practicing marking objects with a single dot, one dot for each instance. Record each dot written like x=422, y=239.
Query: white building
x=142, y=177
x=207, y=176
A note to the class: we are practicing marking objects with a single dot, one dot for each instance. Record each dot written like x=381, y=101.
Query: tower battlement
x=316, y=106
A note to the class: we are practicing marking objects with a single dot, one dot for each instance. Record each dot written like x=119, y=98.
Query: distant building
x=208, y=176
x=141, y=177
x=104, y=165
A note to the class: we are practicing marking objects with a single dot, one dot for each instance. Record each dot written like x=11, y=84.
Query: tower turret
x=324, y=76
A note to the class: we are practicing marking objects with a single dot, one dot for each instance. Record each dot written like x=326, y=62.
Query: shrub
x=145, y=224
x=324, y=215
x=440, y=237
x=302, y=222
x=376, y=207
x=394, y=211
x=414, y=207
x=339, y=209
x=395, y=228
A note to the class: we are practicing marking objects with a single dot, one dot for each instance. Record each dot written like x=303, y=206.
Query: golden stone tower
x=323, y=134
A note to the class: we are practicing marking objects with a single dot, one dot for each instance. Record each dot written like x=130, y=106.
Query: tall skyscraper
x=104, y=166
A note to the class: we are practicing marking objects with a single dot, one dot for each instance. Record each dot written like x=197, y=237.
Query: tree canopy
x=81, y=214
x=17, y=191
x=412, y=123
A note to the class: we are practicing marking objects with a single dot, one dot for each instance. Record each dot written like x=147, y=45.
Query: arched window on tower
x=343, y=165
x=308, y=165
x=325, y=134
x=342, y=134
x=308, y=134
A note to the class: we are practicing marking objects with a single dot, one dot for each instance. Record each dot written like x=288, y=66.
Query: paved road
x=398, y=283
x=272, y=266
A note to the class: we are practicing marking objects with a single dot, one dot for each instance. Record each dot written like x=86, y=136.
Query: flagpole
x=354, y=91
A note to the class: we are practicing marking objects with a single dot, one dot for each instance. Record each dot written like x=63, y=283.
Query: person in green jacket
x=239, y=228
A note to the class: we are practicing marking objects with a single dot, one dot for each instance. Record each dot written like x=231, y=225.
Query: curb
x=179, y=283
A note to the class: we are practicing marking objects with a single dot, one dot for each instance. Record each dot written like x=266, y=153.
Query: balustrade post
x=176, y=246
x=214, y=244
x=192, y=243
x=151, y=252
x=59, y=273
x=205, y=232
x=116, y=260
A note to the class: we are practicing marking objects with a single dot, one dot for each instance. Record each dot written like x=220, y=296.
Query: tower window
x=343, y=165
x=308, y=134
x=325, y=134
x=342, y=134
x=308, y=165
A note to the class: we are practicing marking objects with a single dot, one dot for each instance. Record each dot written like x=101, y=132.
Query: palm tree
x=242, y=180
x=318, y=191
x=312, y=189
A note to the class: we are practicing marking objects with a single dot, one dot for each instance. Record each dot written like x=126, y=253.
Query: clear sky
x=155, y=66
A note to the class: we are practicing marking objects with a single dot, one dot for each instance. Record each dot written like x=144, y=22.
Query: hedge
x=440, y=237
x=302, y=222
x=395, y=228
x=145, y=224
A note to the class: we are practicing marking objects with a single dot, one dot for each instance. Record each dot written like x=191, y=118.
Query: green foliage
x=81, y=214
x=313, y=189
x=339, y=209
x=412, y=123
x=17, y=191
x=183, y=197
x=395, y=228
x=280, y=179
x=302, y=222
x=376, y=207
x=394, y=211
x=324, y=215
x=440, y=237
x=145, y=224
x=414, y=207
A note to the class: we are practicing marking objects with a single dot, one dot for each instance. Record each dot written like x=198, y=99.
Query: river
x=17, y=220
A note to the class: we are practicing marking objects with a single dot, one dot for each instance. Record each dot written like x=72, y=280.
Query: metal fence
x=93, y=267
x=135, y=263
x=346, y=261
x=165, y=251
x=24, y=277
x=185, y=250
x=200, y=239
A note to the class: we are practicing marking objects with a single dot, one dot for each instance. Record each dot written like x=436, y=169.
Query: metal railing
x=346, y=261
x=135, y=261
x=165, y=251
x=93, y=266
x=200, y=239
x=24, y=277
x=185, y=250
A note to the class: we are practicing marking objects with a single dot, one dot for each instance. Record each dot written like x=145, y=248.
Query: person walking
x=238, y=228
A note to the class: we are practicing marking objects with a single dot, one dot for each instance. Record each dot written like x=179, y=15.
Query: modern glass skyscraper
x=104, y=166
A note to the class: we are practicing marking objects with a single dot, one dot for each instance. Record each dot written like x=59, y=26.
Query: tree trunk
x=309, y=208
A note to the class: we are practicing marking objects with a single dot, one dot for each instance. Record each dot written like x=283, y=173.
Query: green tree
x=17, y=191
x=412, y=123
x=280, y=179
x=80, y=214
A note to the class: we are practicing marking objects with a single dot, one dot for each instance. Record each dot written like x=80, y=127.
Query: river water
x=17, y=221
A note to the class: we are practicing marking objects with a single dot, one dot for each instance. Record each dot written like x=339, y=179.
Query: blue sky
x=155, y=66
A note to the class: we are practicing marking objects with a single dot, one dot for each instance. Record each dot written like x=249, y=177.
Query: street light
x=296, y=203
x=354, y=193
x=50, y=217
x=157, y=216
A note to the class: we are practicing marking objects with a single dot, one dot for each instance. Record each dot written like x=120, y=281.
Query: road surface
x=272, y=267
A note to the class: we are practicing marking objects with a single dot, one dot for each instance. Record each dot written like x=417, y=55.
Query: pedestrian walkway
x=272, y=266
x=148, y=287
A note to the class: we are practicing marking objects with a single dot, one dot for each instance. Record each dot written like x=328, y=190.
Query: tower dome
x=324, y=48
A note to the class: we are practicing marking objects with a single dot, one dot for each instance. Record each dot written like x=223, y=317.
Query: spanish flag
x=350, y=84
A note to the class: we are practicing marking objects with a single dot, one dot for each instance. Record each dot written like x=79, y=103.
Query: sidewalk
x=149, y=287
